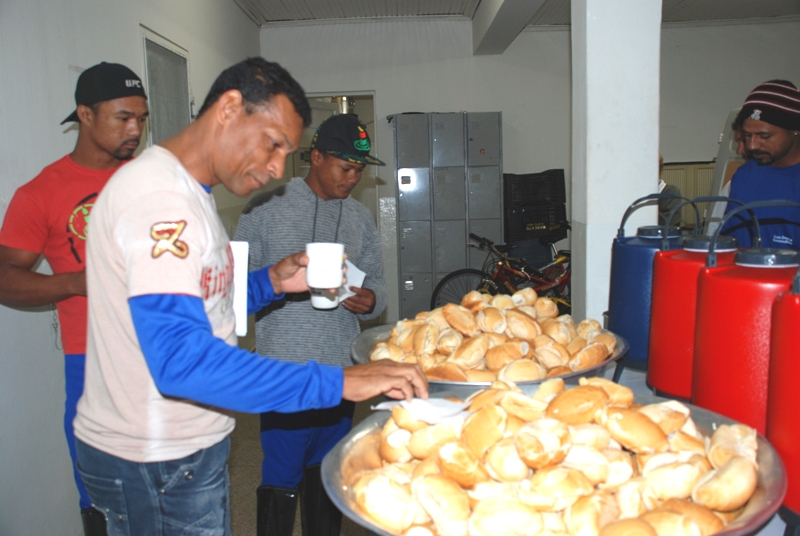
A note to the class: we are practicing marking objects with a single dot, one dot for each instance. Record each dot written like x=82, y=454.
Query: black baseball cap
x=345, y=137
x=105, y=82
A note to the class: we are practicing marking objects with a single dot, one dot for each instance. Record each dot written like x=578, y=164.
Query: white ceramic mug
x=324, y=271
x=324, y=299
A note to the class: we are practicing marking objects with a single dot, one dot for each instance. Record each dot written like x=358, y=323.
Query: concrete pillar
x=615, y=121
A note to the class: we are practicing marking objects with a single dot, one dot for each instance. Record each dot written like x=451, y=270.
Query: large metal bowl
x=358, y=452
x=368, y=338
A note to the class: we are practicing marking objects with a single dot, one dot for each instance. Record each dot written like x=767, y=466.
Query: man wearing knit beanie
x=770, y=129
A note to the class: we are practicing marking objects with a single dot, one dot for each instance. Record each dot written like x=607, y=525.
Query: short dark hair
x=259, y=80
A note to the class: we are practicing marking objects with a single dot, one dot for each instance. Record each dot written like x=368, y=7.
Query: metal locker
x=415, y=246
x=415, y=294
x=447, y=139
x=449, y=194
x=449, y=245
x=412, y=140
x=484, y=192
x=413, y=194
x=491, y=229
x=483, y=139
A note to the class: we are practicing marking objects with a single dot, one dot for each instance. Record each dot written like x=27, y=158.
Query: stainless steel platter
x=358, y=452
x=367, y=339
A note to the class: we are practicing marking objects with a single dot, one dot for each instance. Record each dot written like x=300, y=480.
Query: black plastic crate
x=525, y=223
x=534, y=253
x=534, y=188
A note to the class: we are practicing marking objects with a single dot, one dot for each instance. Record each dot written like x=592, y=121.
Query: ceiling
x=496, y=23
x=551, y=12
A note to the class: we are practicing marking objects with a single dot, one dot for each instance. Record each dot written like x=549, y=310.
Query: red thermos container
x=672, y=318
x=732, y=338
x=783, y=400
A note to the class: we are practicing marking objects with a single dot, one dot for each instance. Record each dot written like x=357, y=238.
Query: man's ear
x=85, y=114
x=228, y=106
x=316, y=157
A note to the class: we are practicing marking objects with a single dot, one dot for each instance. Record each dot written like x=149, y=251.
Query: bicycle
x=504, y=274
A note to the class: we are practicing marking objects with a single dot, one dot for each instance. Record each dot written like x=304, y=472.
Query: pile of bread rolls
x=584, y=461
x=514, y=338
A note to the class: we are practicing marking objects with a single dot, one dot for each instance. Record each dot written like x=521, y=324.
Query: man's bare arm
x=393, y=379
x=20, y=287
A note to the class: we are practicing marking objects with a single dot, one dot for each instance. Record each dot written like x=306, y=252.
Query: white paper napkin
x=432, y=410
x=355, y=278
x=240, y=250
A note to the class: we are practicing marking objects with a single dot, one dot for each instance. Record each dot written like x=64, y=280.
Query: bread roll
x=729, y=487
x=457, y=462
x=529, y=310
x=605, y=337
x=425, y=339
x=576, y=345
x=618, y=395
x=525, y=296
x=635, y=497
x=491, y=320
x=449, y=340
x=386, y=350
x=589, y=461
x=548, y=389
x=503, y=354
x=436, y=318
x=502, y=302
x=428, y=466
x=474, y=375
x=496, y=338
x=669, y=523
x=682, y=442
x=591, y=435
x=485, y=397
x=522, y=406
x=521, y=325
x=578, y=405
x=628, y=527
x=483, y=429
x=556, y=488
x=708, y=522
x=475, y=301
x=620, y=467
x=634, y=430
x=461, y=319
x=545, y=308
x=419, y=530
x=394, y=447
x=471, y=352
x=730, y=440
x=587, y=325
x=672, y=480
x=558, y=371
x=502, y=515
x=447, y=372
x=592, y=354
x=542, y=443
x=445, y=502
x=504, y=463
x=385, y=502
x=554, y=355
x=405, y=339
x=522, y=370
x=426, y=441
x=670, y=416
x=591, y=513
x=542, y=340
x=558, y=331
x=406, y=420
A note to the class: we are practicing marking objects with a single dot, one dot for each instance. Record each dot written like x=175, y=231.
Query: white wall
x=43, y=46
x=428, y=66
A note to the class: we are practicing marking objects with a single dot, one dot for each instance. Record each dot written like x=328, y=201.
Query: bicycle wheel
x=455, y=285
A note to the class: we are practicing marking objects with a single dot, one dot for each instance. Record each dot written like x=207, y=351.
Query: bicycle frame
x=503, y=273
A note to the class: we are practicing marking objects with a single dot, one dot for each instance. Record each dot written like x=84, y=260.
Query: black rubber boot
x=275, y=511
x=318, y=514
x=94, y=522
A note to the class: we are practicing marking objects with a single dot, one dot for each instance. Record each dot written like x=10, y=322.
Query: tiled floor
x=245, y=469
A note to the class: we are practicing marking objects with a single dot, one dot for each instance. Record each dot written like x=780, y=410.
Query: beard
x=125, y=153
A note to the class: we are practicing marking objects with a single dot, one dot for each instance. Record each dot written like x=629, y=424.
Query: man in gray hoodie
x=318, y=208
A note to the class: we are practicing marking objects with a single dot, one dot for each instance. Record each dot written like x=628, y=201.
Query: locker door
x=483, y=139
x=415, y=246
x=413, y=194
x=449, y=246
x=447, y=139
x=484, y=192
x=449, y=194
x=412, y=139
x=415, y=294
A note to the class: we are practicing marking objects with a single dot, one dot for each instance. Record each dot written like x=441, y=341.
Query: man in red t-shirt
x=49, y=215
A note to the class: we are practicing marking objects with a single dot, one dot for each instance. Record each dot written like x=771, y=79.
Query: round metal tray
x=367, y=339
x=358, y=452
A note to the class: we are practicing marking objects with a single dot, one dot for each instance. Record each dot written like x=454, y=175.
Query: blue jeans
x=74, y=365
x=293, y=441
x=186, y=497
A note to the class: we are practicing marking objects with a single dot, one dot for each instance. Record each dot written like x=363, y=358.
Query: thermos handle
x=711, y=259
x=636, y=205
x=701, y=199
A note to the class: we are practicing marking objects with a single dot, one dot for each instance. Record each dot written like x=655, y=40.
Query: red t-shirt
x=49, y=215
